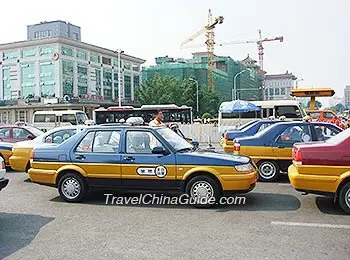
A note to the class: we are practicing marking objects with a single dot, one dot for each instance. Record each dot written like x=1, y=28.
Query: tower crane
x=209, y=29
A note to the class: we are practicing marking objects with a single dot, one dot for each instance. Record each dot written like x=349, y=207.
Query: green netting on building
x=226, y=68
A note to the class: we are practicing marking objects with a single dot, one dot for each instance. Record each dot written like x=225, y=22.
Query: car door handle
x=80, y=157
x=281, y=146
x=129, y=158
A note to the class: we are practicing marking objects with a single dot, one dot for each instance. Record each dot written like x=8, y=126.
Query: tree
x=318, y=104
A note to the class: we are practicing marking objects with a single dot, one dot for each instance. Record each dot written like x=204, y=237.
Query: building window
x=67, y=51
x=76, y=36
x=106, y=61
x=136, y=68
x=266, y=92
x=6, y=83
x=107, y=83
x=127, y=87
x=28, y=80
x=116, y=84
x=82, y=80
x=283, y=91
x=47, y=79
x=94, y=58
x=115, y=62
x=67, y=77
x=271, y=91
x=127, y=65
x=98, y=82
x=10, y=55
x=28, y=53
x=277, y=91
x=46, y=51
x=81, y=54
x=136, y=81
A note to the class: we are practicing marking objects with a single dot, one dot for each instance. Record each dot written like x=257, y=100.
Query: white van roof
x=57, y=112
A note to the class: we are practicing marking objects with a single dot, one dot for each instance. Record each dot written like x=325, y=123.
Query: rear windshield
x=339, y=138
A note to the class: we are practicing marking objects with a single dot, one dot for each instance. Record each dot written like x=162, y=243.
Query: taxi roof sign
x=312, y=92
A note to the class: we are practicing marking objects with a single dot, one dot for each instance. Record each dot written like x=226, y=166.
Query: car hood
x=211, y=158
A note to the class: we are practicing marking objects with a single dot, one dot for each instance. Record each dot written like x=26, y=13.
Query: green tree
x=318, y=104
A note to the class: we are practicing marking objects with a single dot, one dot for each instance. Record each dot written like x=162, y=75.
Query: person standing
x=158, y=119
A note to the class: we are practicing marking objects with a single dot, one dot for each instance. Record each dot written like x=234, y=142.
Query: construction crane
x=209, y=29
x=259, y=42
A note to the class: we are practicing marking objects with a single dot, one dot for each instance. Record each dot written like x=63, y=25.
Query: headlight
x=244, y=167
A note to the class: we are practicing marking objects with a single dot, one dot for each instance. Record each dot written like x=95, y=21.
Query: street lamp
x=195, y=81
x=119, y=51
x=296, y=82
x=234, y=91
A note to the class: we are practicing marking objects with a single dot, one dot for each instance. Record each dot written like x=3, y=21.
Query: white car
x=3, y=181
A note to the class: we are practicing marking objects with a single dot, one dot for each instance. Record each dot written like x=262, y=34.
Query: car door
x=285, y=140
x=324, y=132
x=98, y=154
x=141, y=169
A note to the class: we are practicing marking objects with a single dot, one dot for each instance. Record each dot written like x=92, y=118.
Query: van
x=326, y=116
x=46, y=120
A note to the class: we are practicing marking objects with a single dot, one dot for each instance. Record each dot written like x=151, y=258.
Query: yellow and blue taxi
x=271, y=148
x=323, y=168
x=5, y=151
x=139, y=158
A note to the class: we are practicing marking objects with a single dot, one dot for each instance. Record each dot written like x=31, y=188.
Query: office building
x=279, y=86
x=347, y=96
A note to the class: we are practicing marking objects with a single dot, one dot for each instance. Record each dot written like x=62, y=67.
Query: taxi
x=6, y=151
x=139, y=158
x=248, y=130
x=323, y=168
x=271, y=148
x=20, y=161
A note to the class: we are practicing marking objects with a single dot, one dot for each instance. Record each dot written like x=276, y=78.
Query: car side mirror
x=159, y=150
x=195, y=144
x=30, y=137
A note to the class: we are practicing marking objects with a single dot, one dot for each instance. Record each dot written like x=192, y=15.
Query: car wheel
x=268, y=171
x=344, y=198
x=204, y=191
x=72, y=187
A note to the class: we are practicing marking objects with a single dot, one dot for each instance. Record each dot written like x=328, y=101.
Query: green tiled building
x=247, y=83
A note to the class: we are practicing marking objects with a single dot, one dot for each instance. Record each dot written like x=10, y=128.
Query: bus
x=290, y=109
x=46, y=120
x=171, y=113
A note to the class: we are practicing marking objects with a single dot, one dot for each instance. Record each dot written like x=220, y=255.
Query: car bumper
x=18, y=163
x=3, y=183
x=227, y=148
x=312, y=183
x=42, y=176
x=239, y=183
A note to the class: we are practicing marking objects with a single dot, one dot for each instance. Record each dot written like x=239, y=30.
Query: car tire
x=72, y=187
x=269, y=171
x=203, y=187
x=344, y=198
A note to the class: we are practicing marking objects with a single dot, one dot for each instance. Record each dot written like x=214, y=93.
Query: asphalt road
x=275, y=223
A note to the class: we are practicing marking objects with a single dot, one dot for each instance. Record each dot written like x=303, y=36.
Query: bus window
x=287, y=111
x=44, y=119
x=81, y=118
x=69, y=118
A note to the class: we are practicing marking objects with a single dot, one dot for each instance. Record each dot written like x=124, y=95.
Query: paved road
x=275, y=223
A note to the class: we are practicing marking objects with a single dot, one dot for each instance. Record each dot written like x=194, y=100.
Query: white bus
x=290, y=109
x=46, y=120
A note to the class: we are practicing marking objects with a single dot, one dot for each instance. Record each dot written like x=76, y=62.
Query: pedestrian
x=158, y=119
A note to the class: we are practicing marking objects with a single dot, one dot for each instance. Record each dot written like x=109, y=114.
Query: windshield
x=246, y=126
x=81, y=118
x=176, y=141
x=339, y=138
x=262, y=132
x=35, y=131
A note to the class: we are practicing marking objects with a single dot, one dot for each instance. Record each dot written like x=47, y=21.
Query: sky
x=316, y=32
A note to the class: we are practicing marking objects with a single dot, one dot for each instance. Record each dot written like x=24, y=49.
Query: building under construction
x=225, y=69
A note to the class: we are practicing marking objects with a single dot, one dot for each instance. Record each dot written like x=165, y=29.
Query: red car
x=323, y=168
x=15, y=133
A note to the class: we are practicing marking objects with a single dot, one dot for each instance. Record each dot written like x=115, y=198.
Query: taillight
x=236, y=148
x=31, y=156
x=297, y=156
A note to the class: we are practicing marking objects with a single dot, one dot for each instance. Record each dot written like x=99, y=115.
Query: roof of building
x=286, y=75
x=55, y=21
x=68, y=41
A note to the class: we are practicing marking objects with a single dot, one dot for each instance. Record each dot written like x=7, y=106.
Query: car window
x=263, y=126
x=295, y=134
x=325, y=132
x=106, y=142
x=141, y=142
x=328, y=115
x=59, y=136
x=85, y=145
x=314, y=114
x=20, y=133
x=5, y=132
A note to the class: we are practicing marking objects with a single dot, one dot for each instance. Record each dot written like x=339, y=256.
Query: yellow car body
x=19, y=160
x=6, y=152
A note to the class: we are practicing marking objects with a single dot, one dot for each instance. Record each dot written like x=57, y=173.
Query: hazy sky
x=316, y=32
